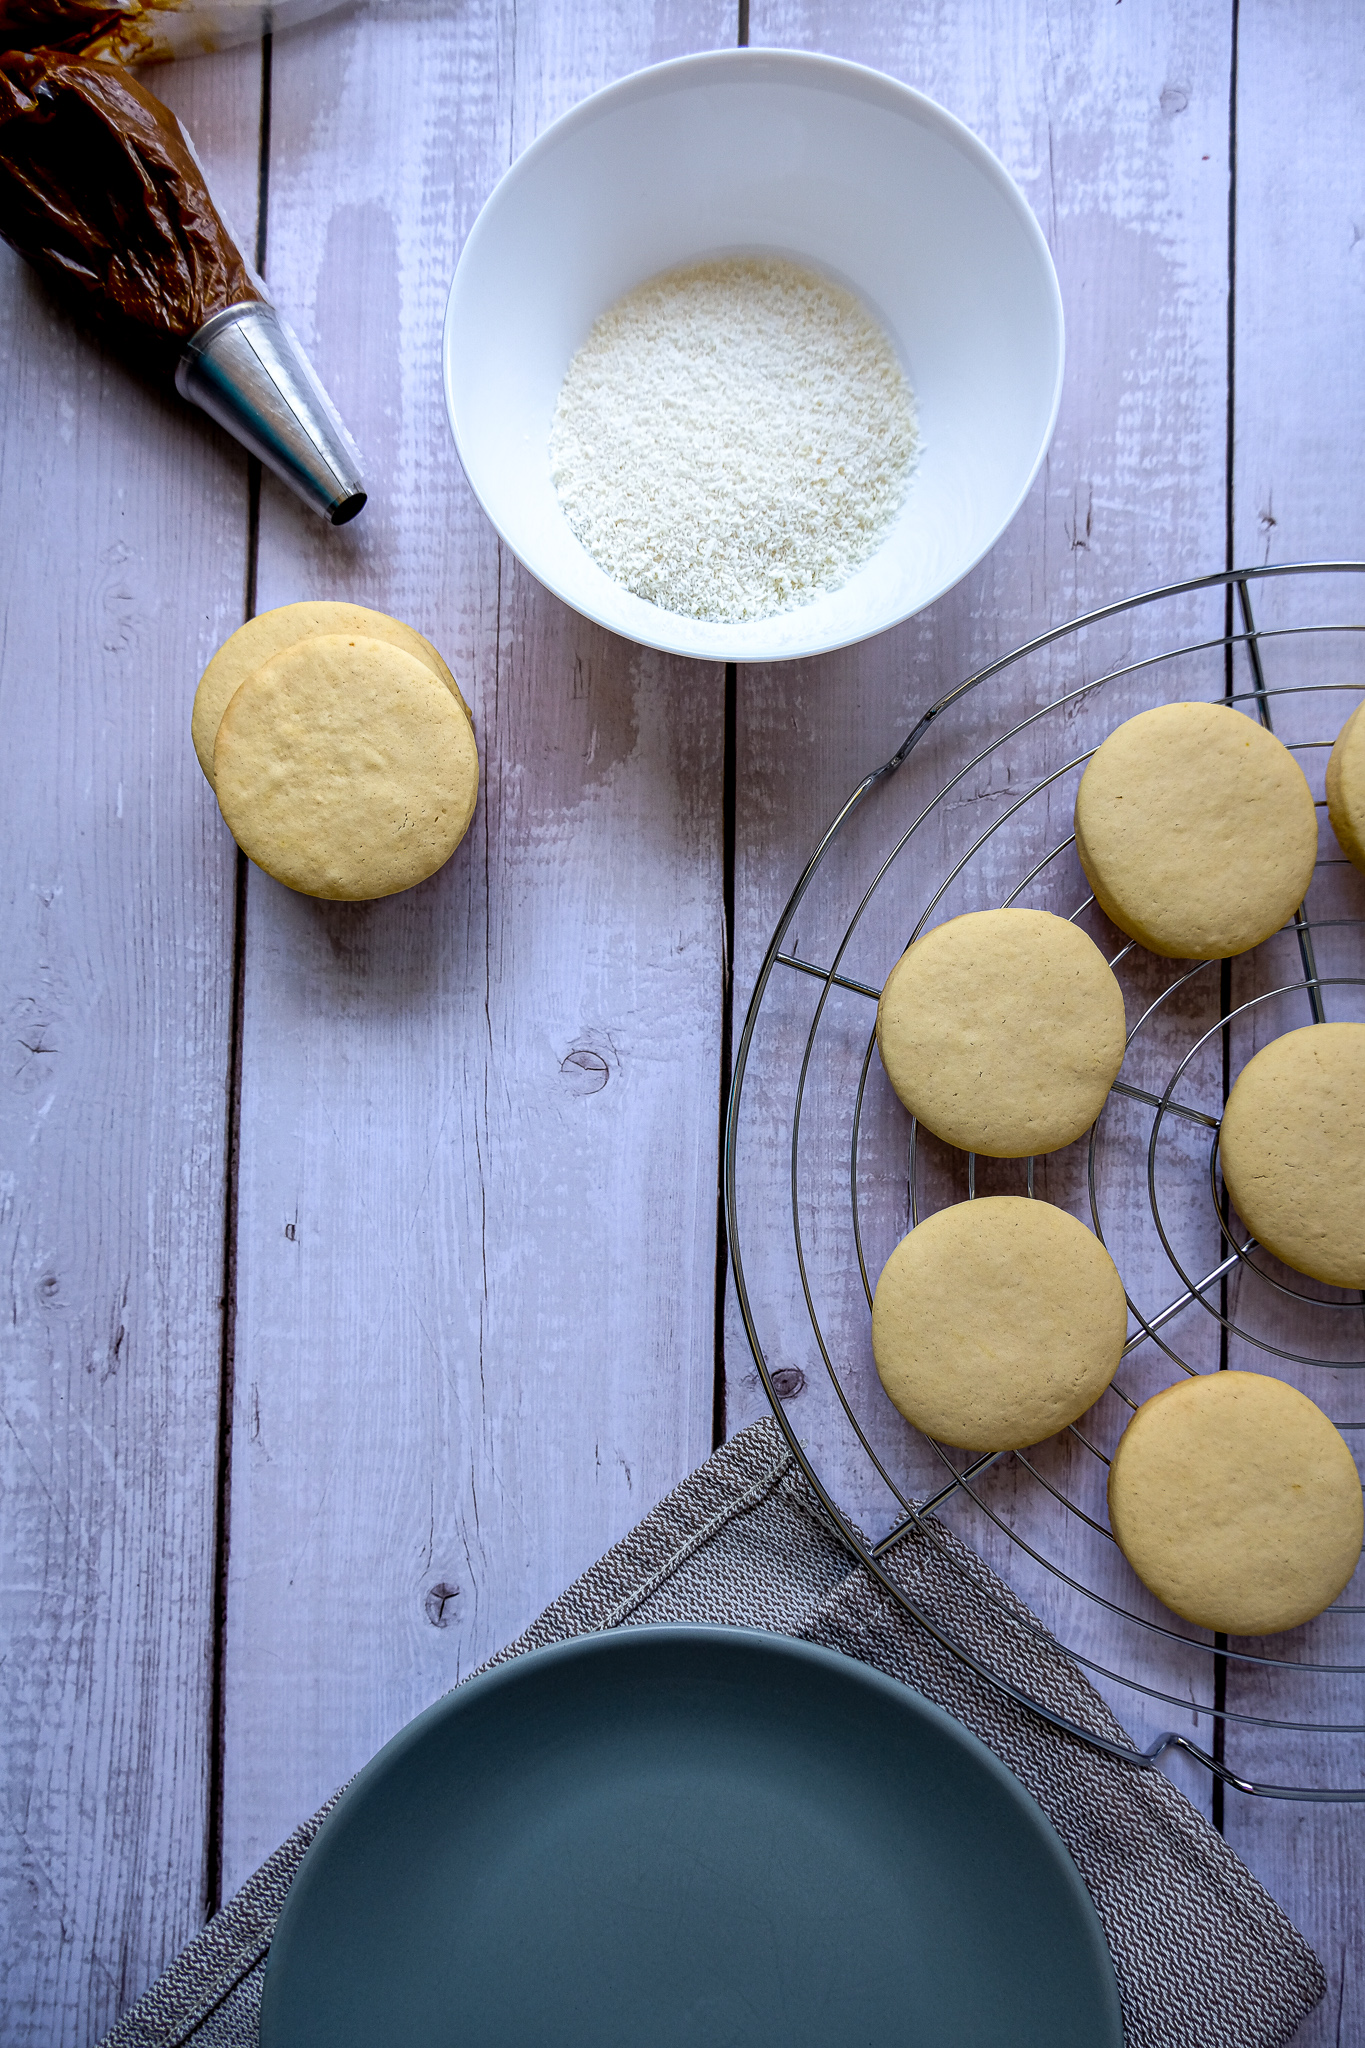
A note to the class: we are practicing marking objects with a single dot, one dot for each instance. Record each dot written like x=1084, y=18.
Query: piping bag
x=101, y=191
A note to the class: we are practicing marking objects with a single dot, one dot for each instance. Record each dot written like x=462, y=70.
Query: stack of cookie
x=340, y=749
x=997, y=1322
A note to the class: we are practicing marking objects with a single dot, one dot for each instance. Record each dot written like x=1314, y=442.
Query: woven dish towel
x=1202, y=1953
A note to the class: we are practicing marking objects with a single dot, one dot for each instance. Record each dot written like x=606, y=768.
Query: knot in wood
x=438, y=1598
x=584, y=1072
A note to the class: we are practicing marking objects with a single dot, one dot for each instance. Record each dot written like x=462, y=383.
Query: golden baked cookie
x=997, y=1322
x=1346, y=787
x=1292, y=1147
x=269, y=634
x=1196, y=830
x=1002, y=1031
x=345, y=768
x=1237, y=1503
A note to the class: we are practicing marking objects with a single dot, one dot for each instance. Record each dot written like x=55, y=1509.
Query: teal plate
x=687, y=1838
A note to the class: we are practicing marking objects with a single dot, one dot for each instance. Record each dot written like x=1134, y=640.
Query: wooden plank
x=475, y=1322
x=1299, y=378
x=1115, y=124
x=124, y=518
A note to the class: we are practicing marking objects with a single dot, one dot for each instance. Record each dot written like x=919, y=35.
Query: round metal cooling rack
x=974, y=811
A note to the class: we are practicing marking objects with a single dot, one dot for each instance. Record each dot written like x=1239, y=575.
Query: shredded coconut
x=733, y=439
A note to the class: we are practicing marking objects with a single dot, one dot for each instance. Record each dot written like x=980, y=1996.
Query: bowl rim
x=860, y=80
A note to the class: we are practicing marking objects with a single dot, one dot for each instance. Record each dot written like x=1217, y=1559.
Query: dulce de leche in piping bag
x=101, y=191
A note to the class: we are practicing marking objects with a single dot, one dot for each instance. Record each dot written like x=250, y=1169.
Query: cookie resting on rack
x=1346, y=787
x=1002, y=1031
x=1196, y=831
x=1292, y=1148
x=997, y=1322
x=1237, y=1503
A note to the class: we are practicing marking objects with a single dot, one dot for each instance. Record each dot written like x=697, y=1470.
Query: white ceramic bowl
x=741, y=151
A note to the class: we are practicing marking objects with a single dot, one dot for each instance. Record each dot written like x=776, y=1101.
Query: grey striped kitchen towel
x=1202, y=1953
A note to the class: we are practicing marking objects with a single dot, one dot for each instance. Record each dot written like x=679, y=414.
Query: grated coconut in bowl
x=733, y=439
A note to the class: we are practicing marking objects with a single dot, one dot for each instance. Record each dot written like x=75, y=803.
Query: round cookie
x=997, y=1322
x=1292, y=1147
x=1237, y=1503
x=345, y=768
x=1196, y=831
x=1002, y=1031
x=1346, y=787
x=267, y=635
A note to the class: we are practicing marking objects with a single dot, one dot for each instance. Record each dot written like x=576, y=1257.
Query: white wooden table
x=362, y=1260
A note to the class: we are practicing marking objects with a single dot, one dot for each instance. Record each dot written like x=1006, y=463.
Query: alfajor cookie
x=1002, y=1031
x=261, y=638
x=1346, y=787
x=1237, y=1503
x=997, y=1322
x=345, y=768
x=1292, y=1148
x=1196, y=831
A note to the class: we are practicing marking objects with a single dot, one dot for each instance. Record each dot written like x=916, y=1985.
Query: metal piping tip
x=245, y=369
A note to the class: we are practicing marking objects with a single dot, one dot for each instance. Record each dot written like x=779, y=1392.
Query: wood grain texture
x=1300, y=284
x=1115, y=123
x=1300, y=383
x=124, y=518
x=476, y=1239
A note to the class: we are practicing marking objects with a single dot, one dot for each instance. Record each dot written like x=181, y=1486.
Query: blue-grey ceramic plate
x=687, y=1838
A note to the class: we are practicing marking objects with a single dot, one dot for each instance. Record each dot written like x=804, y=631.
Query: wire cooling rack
x=974, y=811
